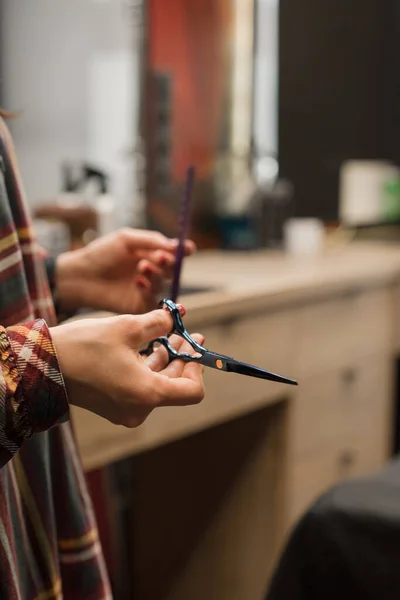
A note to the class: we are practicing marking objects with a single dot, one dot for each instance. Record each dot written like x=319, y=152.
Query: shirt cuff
x=41, y=393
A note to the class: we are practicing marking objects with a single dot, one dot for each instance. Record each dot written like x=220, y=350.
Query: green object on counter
x=391, y=200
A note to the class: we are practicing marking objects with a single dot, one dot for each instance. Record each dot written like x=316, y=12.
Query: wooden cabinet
x=218, y=485
x=339, y=426
x=339, y=421
x=333, y=333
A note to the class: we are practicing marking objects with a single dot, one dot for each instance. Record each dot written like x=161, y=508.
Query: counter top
x=267, y=279
x=241, y=283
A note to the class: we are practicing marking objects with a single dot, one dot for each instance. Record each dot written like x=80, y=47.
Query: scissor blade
x=244, y=369
x=226, y=363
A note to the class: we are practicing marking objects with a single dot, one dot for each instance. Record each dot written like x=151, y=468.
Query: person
x=347, y=544
x=49, y=545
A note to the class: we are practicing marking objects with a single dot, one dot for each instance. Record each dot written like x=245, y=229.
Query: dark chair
x=347, y=545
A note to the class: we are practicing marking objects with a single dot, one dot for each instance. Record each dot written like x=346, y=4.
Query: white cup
x=303, y=236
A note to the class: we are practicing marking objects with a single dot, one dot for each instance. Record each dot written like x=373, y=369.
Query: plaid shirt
x=49, y=546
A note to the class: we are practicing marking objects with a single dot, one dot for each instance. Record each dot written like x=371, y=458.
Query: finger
x=190, y=247
x=166, y=257
x=150, y=286
x=158, y=360
x=144, y=284
x=155, y=277
x=138, y=239
x=155, y=324
x=177, y=367
x=157, y=267
x=161, y=258
x=150, y=270
x=193, y=370
x=182, y=391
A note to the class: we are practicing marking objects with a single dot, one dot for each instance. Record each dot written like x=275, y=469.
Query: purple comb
x=184, y=214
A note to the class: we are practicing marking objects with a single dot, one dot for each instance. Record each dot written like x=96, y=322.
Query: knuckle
x=163, y=320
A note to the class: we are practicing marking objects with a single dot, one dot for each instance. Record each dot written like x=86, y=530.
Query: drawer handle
x=349, y=376
x=347, y=459
x=351, y=294
x=228, y=324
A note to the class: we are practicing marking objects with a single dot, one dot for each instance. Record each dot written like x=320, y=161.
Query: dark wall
x=339, y=93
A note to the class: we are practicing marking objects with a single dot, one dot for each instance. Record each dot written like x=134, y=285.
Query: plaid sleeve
x=32, y=391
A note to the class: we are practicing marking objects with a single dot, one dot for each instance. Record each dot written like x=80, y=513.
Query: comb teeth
x=184, y=213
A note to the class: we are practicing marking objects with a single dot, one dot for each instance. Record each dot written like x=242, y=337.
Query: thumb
x=156, y=324
x=137, y=239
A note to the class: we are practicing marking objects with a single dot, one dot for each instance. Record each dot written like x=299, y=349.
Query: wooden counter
x=332, y=322
x=256, y=294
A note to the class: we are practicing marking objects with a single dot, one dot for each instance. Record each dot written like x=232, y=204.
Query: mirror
x=211, y=100
x=208, y=70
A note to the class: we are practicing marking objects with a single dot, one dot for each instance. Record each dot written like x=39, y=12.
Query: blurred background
x=268, y=100
x=290, y=112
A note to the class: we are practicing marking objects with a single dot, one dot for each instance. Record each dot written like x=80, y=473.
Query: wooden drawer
x=313, y=476
x=264, y=340
x=332, y=333
x=309, y=478
x=340, y=426
x=369, y=410
x=352, y=402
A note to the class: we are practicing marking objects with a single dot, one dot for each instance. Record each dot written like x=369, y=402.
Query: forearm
x=32, y=392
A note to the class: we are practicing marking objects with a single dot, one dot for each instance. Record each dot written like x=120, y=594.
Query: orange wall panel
x=189, y=39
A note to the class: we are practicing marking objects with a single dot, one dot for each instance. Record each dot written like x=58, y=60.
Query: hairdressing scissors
x=206, y=357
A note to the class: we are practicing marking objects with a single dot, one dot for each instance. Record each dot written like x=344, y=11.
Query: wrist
x=69, y=281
